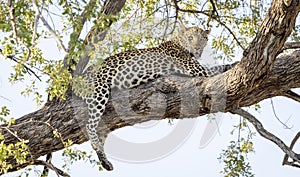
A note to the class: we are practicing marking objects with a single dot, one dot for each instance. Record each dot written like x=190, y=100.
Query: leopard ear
x=207, y=31
x=182, y=27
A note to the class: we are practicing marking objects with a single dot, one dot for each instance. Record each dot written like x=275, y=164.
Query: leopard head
x=193, y=39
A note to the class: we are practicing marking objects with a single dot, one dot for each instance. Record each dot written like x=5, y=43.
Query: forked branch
x=58, y=171
x=286, y=157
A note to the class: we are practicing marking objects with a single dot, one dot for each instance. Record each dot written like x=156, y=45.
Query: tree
x=263, y=72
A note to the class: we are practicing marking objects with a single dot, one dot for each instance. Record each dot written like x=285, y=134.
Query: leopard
x=129, y=69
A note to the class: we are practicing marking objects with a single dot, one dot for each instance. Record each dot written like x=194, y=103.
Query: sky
x=153, y=139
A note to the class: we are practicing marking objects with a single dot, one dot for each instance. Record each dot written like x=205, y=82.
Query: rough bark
x=260, y=55
x=255, y=78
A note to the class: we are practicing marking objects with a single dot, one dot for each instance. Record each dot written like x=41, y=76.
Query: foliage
x=18, y=151
x=71, y=155
x=59, y=81
x=234, y=157
x=4, y=112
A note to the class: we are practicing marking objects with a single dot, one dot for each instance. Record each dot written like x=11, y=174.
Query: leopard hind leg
x=96, y=106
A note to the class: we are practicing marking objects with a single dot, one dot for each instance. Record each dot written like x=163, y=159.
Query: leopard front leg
x=215, y=70
x=96, y=106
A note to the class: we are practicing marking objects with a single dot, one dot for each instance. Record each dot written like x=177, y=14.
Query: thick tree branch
x=259, y=57
x=281, y=82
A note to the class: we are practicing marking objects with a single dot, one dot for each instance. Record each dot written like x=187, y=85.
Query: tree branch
x=286, y=157
x=266, y=134
x=292, y=95
x=214, y=7
x=28, y=70
x=14, y=27
x=56, y=37
x=35, y=26
x=58, y=171
x=291, y=45
x=260, y=55
x=46, y=168
x=12, y=19
x=110, y=7
x=77, y=29
x=274, y=112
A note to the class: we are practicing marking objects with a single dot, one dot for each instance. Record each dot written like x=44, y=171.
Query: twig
x=58, y=171
x=292, y=95
x=5, y=98
x=264, y=133
x=56, y=37
x=12, y=19
x=12, y=133
x=36, y=20
x=28, y=70
x=286, y=157
x=46, y=169
x=274, y=112
x=212, y=16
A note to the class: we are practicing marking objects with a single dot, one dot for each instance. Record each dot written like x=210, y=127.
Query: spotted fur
x=132, y=68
